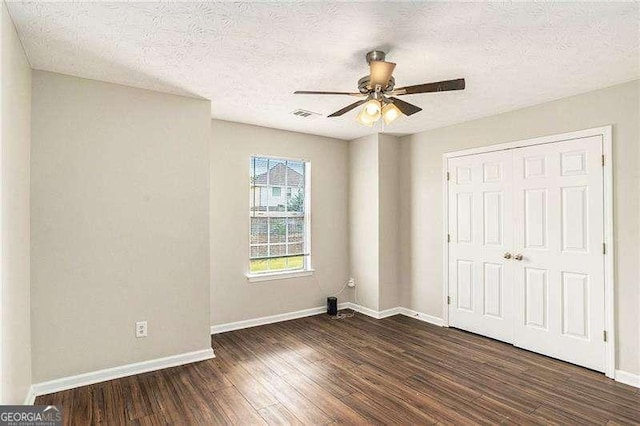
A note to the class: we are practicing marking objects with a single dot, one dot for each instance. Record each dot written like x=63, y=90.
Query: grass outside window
x=278, y=264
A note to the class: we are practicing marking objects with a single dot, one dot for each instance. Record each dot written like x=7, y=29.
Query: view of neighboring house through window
x=278, y=214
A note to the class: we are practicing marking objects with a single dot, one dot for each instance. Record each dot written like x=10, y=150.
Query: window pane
x=295, y=202
x=296, y=229
x=296, y=248
x=277, y=249
x=277, y=203
x=258, y=266
x=259, y=195
x=259, y=251
x=277, y=172
x=259, y=230
x=295, y=174
x=279, y=263
x=259, y=198
x=278, y=232
x=259, y=171
x=295, y=262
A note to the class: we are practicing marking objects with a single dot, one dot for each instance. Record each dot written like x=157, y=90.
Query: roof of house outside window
x=278, y=173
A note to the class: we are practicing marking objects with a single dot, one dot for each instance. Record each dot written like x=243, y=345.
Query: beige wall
x=15, y=75
x=389, y=226
x=364, y=232
x=374, y=206
x=119, y=225
x=421, y=202
x=233, y=297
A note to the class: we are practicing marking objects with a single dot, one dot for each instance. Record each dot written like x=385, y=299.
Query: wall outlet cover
x=141, y=329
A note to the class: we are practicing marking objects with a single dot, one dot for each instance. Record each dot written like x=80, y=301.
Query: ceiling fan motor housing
x=365, y=88
x=375, y=55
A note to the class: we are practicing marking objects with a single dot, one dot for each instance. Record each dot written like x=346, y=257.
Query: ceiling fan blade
x=310, y=92
x=380, y=73
x=439, y=86
x=347, y=108
x=405, y=107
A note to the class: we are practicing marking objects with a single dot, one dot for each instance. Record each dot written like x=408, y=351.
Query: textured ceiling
x=248, y=58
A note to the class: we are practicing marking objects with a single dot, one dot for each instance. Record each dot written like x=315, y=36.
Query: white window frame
x=307, y=269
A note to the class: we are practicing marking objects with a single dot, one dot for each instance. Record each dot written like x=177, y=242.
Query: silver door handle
x=507, y=255
x=518, y=257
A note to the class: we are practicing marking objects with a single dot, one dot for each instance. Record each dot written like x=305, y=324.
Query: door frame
x=605, y=133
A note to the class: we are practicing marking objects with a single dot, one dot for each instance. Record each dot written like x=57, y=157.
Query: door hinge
x=604, y=248
x=602, y=160
x=604, y=335
x=448, y=300
x=448, y=176
x=448, y=238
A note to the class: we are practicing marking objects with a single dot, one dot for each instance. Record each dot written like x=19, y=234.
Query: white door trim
x=609, y=279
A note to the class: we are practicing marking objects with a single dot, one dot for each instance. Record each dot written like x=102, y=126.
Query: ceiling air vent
x=304, y=113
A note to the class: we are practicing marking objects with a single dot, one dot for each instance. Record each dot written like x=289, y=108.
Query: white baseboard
x=371, y=312
x=395, y=311
x=422, y=317
x=389, y=312
x=90, y=378
x=238, y=325
x=628, y=378
x=30, y=398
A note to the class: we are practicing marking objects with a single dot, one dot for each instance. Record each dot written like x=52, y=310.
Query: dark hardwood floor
x=319, y=370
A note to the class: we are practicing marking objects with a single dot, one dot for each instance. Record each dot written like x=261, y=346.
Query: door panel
x=575, y=305
x=574, y=217
x=480, y=279
x=536, y=233
x=464, y=218
x=492, y=290
x=492, y=218
x=536, y=302
x=558, y=222
x=465, y=285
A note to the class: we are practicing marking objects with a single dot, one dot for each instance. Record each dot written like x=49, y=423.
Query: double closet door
x=526, y=263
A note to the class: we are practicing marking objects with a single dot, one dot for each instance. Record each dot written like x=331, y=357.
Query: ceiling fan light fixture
x=390, y=113
x=365, y=119
x=373, y=109
x=370, y=113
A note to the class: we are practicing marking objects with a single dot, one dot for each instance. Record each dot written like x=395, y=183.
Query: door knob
x=518, y=257
x=507, y=255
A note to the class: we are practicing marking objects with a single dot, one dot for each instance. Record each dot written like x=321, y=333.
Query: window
x=279, y=224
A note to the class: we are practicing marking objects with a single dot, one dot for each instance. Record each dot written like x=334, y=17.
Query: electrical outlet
x=141, y=329
x=351, y=282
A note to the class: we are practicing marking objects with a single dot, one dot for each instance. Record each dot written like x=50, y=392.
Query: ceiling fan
x=379, y=92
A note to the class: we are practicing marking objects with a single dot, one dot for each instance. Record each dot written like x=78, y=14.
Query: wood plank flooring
x=319, y=370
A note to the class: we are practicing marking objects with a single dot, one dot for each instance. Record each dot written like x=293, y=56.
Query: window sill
x=254, y=278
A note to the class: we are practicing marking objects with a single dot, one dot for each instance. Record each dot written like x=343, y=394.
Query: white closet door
x=480, y=211
x=558, y=219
